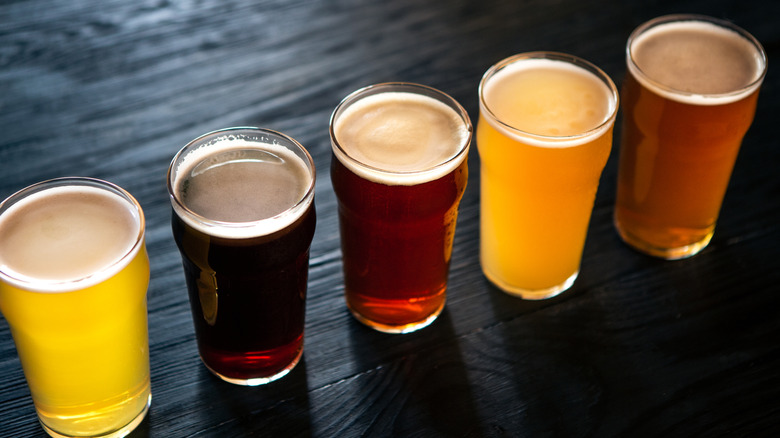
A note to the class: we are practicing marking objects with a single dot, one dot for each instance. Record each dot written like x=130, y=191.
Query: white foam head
x=62, y=235
x=601, y=87
x=400, y=134
x=708, y=61
x=224, y=141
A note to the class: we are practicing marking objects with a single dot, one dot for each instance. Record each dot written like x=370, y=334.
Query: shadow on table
x=543, y=365
x=415, y=384
x=280, y=408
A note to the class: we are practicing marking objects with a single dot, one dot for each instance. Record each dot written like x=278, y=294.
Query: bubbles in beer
x=682, y=59
x=243, y=185
x=391, y=133
x=240, y=182
x=66, y=234
x=547, y=102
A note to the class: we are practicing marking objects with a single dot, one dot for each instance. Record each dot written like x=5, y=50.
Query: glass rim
x=72, y=285
x=699, y=18
x=559, y=57
x=410, y=87
x=206, y=139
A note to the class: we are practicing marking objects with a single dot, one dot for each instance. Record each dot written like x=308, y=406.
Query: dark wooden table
x=638, y=347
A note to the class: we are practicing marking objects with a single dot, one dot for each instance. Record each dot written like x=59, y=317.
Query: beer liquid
x=81, y=337
x=689, y=99
x=539, y=179
x=398, y=205
x=247, y=278
x=397, y=242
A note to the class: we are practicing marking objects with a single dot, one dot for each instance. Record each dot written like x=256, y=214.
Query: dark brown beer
x=248, y=296
x=244, y=221
x=399, y=171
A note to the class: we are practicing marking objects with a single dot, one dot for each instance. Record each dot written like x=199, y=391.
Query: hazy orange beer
x=688, y=99
x=399, y=169
x=544, y=136
x=73, y=280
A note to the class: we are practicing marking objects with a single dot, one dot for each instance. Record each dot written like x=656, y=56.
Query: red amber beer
x=688, y=99
x=73, y=279
x=399, y=170
x=244, y=219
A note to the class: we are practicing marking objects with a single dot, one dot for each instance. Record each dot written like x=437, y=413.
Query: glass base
x=119, y=433
x=677, y=253
x=398, y=328
x=532, y=294
x=257, y=381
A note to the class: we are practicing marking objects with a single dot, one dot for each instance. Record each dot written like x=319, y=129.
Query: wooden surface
x=638, y=347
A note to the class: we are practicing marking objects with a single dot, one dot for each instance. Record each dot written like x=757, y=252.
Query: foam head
x=241, y=182
x=394, y=134
x=548, y=99
x=66, y=234
x=696, y=60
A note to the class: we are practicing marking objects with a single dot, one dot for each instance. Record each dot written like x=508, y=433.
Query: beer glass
x=73, y=280
x=544, y=135
x=399, y=169
x=688, y=99
x=243, y=219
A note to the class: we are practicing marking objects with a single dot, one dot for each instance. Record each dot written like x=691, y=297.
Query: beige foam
x=400, y=138
x=697, y=63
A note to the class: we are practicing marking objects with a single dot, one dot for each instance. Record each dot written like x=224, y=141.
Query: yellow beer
x=544, y=135
x=74, y=273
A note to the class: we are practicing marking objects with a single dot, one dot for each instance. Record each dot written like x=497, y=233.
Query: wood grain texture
x=638, y=347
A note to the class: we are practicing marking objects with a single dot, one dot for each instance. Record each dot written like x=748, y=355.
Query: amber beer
x=688, y=99
x=399, y=169
x=544, y=136
x=73, y=279
x=244, y=219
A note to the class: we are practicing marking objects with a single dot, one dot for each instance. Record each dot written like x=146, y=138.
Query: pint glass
x=243, y=219
x=688, y=99
x=73, y=279
x=399, y=169
x=544, y=135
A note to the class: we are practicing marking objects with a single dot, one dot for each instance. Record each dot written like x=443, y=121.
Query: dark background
x=638, y=347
